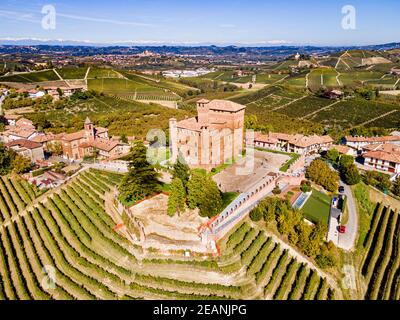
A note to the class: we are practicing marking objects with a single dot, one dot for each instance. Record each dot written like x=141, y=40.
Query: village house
x=29, y=149
x=344, y=150
x=83, y=143
x=383, y=157
x=18, y=129
x=359, y=142
x=66, y=91
x=297, y=143
x=212, y=138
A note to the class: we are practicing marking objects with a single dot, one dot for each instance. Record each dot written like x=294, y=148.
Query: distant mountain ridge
x=88, y=48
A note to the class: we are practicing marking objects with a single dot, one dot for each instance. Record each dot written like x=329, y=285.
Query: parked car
x=341, y=189
x=342, y=229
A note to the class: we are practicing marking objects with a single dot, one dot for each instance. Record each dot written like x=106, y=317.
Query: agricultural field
x=64, y=247
x=323, y=77
x=358, y=78
x=72, y=73
x=40, y=76
x=95, y=73
x=120, y=116
x=306, y=106
x=381, y=260
x=351, y=113
x=272, y=270
x=115, y=86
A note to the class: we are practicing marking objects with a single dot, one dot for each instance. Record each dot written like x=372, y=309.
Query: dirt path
x=319, y=110
x=58, y=75
x=288, y=104
x=377, y=118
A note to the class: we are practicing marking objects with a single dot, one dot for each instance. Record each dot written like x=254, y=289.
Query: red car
x=342, y=229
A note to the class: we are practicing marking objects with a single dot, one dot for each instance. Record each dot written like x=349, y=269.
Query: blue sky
x=315, y=22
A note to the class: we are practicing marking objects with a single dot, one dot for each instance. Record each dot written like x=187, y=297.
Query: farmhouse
x=212, y=138
x=28, y=149
x=83, y=143
x=396, y=71
x=360, y=142
x=297, y=143
x=384, y=157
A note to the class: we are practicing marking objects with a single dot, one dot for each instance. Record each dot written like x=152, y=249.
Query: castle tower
x=203, y=112
x=173, y=139
x=89, y=129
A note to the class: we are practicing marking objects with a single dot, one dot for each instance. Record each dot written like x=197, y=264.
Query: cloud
x=20, y=16
x=278, y=42
x=111, y=21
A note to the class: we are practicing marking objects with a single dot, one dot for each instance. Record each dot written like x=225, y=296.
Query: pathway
x=319, y=110
x=347, y=240
x=288, y=104
x=376, y=118
x=58, y=75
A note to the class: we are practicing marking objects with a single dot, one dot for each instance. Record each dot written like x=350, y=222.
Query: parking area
x=247, y=171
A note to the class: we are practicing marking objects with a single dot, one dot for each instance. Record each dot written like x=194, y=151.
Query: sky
x=193, y=22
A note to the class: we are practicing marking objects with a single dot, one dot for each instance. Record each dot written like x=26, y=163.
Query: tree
x=56, y=148
x=142, y=179
x=21, y=164
x=176, y=200
x=124, y=138
x=345, y=161
x=194, y=187
x=396, y=187
x=378, y=180
x=277, y=190
x=305, y=186
x=257, y=213
x=211, y=201
x=6, y=159
x=320, y=173
x=182, y=171
x=351, y=175
x=332, y=155
x=204, y=194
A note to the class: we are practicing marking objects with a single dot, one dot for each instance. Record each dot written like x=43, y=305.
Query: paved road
x=348, y=239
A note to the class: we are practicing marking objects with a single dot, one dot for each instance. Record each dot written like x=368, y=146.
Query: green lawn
x=317, y=207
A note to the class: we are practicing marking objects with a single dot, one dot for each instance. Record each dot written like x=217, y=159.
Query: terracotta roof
x=373, y=139
x=28, y=144
x=342, y=149
x=203, y=101
x=265, y=138
x=21, y=132
x=24, y=123
x=190, y=124
x=225, y=105
x=12, y=117
x=101, y=144
x=307, y=141
x=387, y=152
x=74, y=136
x=42, y=138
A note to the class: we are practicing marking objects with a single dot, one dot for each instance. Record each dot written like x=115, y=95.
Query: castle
x=212, y=138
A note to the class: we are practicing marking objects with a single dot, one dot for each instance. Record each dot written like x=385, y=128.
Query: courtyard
x=245, y=172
